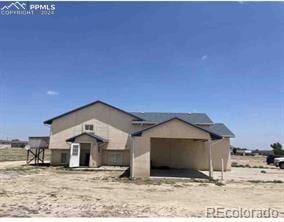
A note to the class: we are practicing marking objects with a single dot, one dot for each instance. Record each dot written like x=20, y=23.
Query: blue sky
x=225, y=59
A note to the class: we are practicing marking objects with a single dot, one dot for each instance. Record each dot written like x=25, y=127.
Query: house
x=100, y=134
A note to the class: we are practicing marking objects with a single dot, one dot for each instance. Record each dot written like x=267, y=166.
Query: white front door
x=74, y=155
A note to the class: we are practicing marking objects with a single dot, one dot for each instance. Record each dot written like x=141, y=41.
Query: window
x=116, y=158
x=89, y=127
x=75, y=150
x=64, y=158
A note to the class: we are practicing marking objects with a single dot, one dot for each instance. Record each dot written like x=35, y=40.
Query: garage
x=179, y=157
x=173, y=145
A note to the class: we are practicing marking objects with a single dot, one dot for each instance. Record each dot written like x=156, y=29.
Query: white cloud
x=52, y=93
x=204, y=57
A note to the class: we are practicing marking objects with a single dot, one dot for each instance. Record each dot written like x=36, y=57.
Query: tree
x=277, y=148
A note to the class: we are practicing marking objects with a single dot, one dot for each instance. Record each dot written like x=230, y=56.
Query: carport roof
x=96, y=137
x=214, y=136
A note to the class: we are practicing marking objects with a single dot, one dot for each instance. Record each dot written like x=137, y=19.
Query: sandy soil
x=33, y=192
x=251, y=161
x=239, y=174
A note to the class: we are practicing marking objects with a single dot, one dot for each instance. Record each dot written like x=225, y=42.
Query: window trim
x=75, y=147
x=90, y=126
x=66, y=158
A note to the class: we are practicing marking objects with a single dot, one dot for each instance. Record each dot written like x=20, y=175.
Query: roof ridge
x=49, y=121
x=169, y=112
x=164, y=112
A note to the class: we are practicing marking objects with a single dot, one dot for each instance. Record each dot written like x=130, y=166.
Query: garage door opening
x=171, y=157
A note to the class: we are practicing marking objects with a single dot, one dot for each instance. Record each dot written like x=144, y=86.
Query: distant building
x=5, y=144
x=18, y=143
x=263, y=152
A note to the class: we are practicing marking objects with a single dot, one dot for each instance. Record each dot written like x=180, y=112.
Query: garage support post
x=132, y=160
x=210, y=160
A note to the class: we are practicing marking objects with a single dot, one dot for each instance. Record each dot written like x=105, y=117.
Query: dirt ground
x=29, y=191
x=250, y=161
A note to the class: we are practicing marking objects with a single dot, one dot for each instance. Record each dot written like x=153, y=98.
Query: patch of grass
x=265, y=181
x=52, y=194
x=13, y=154
x=203, y=184
x=22, y=169
x=218, y=182
x=178, y=185
x=261, y=167
x=234, y=164
x=4, y=193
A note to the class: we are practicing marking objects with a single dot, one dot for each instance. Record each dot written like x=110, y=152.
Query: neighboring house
x=5, y=144
x=100, y=134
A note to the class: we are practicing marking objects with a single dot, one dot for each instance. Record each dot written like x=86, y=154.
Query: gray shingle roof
x=221, y=129
x=157, y=117
x=49, y=121
x=213, y=135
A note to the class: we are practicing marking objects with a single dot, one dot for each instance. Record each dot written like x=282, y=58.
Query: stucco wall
x=108, y=122
x=221, y=150
x=55, y=159
x=183, y=153
x=178, y=153
x=108, y=158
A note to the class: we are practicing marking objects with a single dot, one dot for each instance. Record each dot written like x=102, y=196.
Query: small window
x=89, y=127
x=64, y=158
x=116, y=158
x=75, y=150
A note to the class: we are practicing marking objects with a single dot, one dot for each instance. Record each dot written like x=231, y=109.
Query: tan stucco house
x=100, y=134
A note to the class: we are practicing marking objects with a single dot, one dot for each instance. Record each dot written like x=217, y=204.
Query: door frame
x=91, y=147
x=74, y=160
